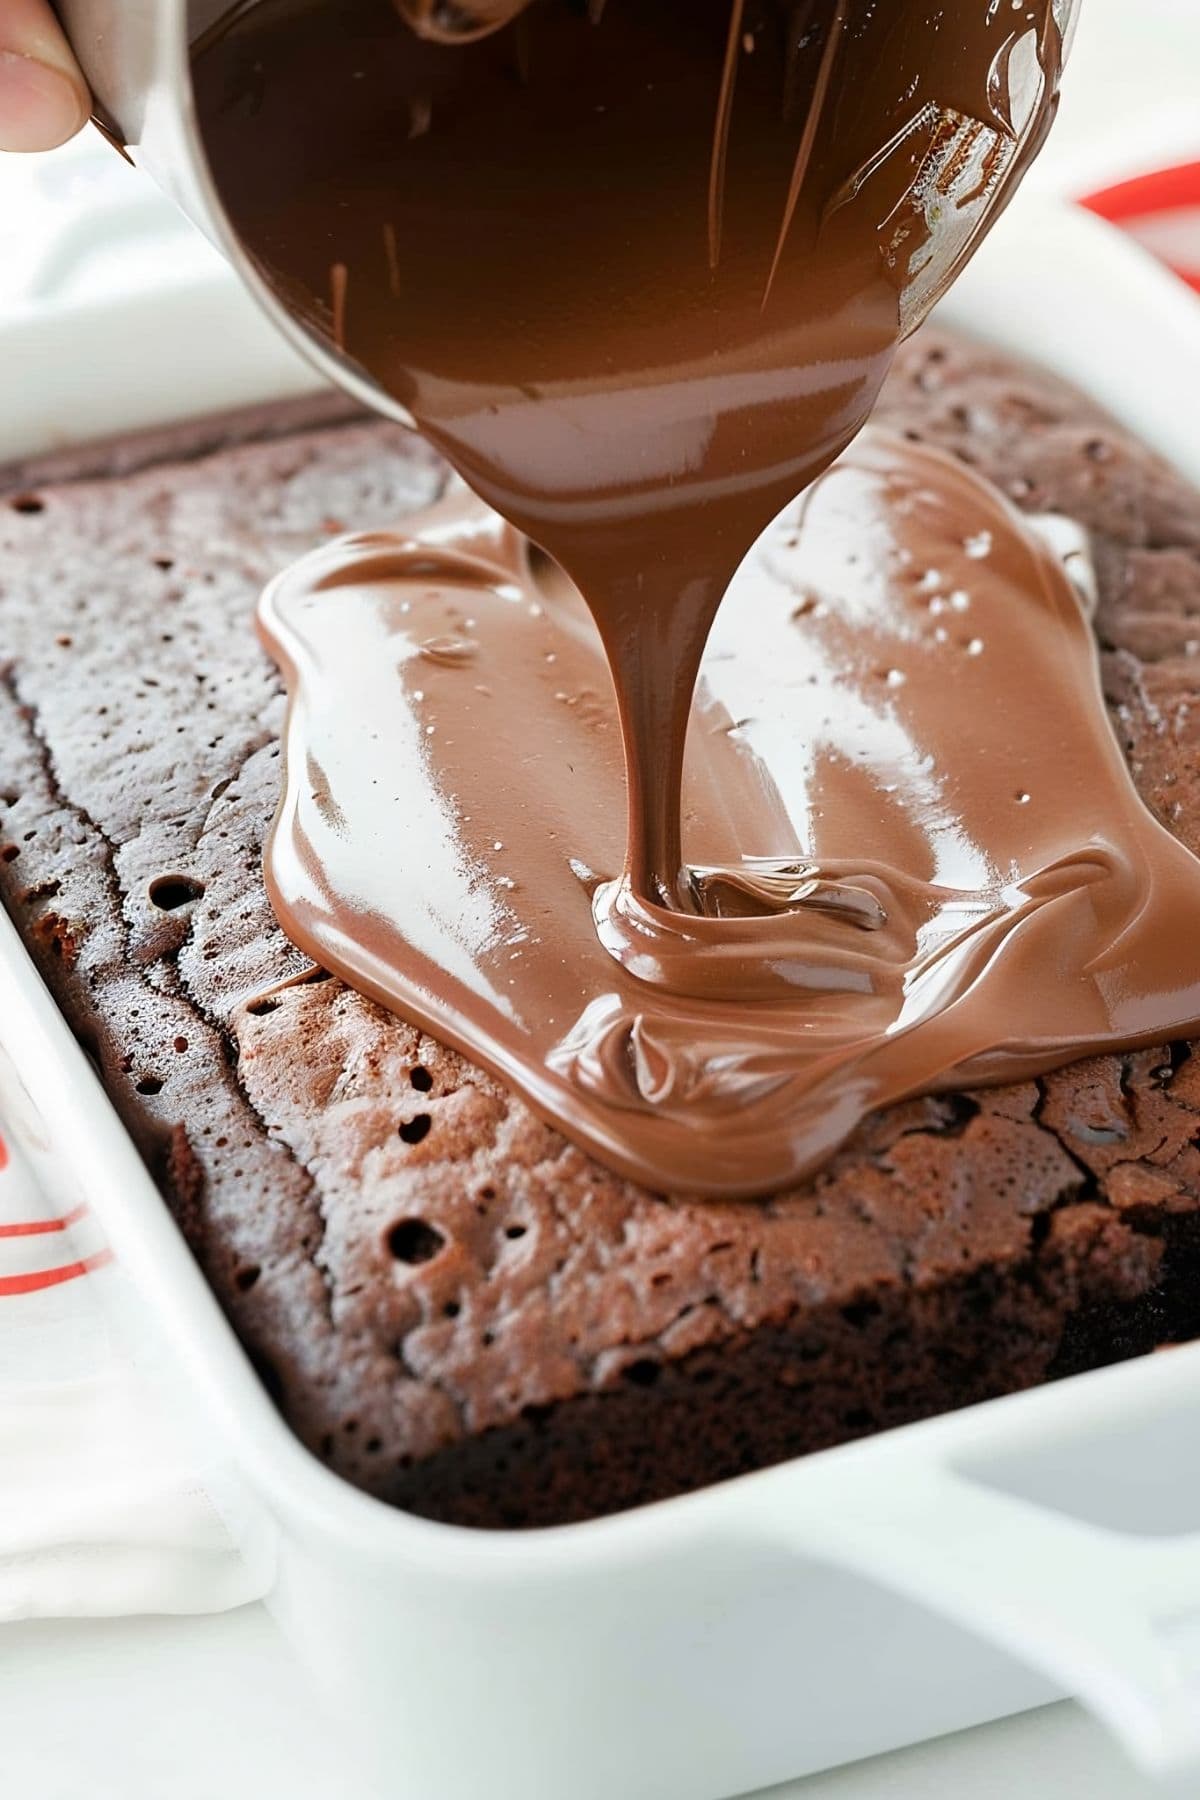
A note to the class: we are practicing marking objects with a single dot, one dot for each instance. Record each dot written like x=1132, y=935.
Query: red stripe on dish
x=12, y=1285
x=1162, y=190
x=38, y=1227
x=3, y=1151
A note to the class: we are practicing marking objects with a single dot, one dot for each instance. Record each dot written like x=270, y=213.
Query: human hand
x=43, y=96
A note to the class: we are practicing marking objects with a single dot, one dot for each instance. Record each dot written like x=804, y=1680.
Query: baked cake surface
x=453, y=1306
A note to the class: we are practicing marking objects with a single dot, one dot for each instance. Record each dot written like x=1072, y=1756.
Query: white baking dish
x=840, y=1605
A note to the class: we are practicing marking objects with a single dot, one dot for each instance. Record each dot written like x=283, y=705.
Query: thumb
x=43, y=97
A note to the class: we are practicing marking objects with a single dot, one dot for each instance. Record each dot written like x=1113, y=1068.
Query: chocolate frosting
x=924, y=860
x=639, y=271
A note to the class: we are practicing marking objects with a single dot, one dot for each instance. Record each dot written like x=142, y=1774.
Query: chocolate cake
x=453, y=1306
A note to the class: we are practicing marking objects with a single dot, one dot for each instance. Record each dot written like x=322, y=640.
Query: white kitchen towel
x=1159, y=205
x=100, y=1512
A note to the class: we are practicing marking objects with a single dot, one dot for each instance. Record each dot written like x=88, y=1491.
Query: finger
x=43, y=97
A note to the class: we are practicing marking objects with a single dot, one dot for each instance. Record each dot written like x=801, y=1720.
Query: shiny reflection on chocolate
x=925, y=861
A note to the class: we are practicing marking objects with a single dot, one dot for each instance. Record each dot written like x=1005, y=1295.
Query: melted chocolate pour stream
x=639, y=271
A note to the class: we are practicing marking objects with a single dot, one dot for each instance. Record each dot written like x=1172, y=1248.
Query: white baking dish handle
x=1110, y=1618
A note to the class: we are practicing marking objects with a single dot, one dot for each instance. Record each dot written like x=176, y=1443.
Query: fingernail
x=40, y=107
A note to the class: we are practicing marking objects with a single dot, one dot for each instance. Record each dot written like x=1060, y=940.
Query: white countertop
x=193, y=1709
x=196, y=1709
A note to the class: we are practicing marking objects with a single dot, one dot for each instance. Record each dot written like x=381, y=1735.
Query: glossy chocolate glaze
x=639, y=271
x=943, y=872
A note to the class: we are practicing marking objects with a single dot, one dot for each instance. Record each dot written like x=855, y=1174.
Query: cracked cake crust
x=454, y=1306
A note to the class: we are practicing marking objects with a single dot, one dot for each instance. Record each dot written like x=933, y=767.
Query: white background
x=195, y=1709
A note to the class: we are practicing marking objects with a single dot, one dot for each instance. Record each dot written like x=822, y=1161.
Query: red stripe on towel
x=11, y=1285
x=1146, y=205
x=1162, y=190
x=37, y=1227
